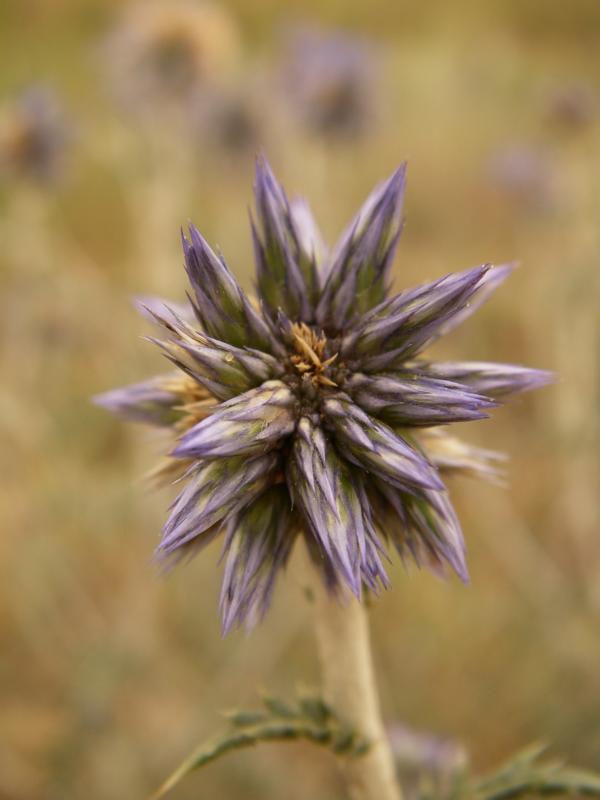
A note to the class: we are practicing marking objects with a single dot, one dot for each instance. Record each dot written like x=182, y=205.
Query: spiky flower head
x=168, y=51
x=34, y=135
x=331, y=79
x=312, y=411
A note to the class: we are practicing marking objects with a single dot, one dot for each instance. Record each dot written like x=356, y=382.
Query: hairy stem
x=342, y=631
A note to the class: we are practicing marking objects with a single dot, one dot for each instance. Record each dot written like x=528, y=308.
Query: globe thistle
x=523, y=175
x=34, y=135
x=230, y=119
x=312, y=410
x=169, y=52
x=572, y=106
x=331, y=80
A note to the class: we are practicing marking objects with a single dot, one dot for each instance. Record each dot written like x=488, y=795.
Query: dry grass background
x=109, y=674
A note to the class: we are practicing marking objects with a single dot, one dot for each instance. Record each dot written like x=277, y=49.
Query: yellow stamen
x=310, y=349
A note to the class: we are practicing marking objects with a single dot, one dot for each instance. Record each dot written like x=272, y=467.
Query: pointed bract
x=214, y=490
x=428, y=526
x=310, y=242
x=250, y=424
x=375, y=447
x=221, y=306
x=152, y=308
x=286, y=270
x=453, y=457
x=491, y=281
x=493, y=380
x=358, y=275
x=335, y=505
x=223, y=369
x=413, y=399
x=399, y=328
x=149, y=402
x=258, y=542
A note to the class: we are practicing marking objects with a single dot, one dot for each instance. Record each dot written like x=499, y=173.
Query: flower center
x=309, y=358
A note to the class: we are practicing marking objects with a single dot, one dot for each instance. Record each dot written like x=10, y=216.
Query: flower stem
x=342, y=632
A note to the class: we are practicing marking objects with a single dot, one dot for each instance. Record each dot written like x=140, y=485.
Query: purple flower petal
x=249, y=424
x=397, y=329
x=148, y=401
x=220, y=304
x=287, y=276
x=426, y=524
x=375, y=447
x=411, y=399
x=258, y=543
x=213, y=490
x=336, y=508
x=493, y=380
x=358, y=275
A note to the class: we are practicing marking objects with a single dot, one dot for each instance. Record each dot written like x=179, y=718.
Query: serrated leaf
x=315, y=708
x=279, y=708
x=309, y=719
x=523, y=775
x=243, y=719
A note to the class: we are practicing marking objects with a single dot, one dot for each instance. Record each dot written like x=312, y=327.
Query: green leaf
x=316, y=709
x=309, y=719
x=279, y=708
x=525, y=776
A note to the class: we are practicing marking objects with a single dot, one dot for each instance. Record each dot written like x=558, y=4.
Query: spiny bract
x=311, y=411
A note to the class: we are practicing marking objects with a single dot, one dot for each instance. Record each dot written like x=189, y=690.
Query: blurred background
x=119, y=123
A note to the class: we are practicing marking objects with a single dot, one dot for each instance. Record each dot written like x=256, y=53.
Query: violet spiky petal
x=336, y=508
x=287, y=276
x=399, y=328
x=257, y=545
x=490, y=281
x=149, y=402
x=425, y=523
x=214, y=490
x=358, y=275
x=311, y=246
x=248, y=424
x=220, y=304
x=413, y=399
x=153, y=308
x=375, y=447
x=223, y=369
x=493, y=380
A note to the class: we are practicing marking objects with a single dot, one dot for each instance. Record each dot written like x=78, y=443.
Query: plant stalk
x=349, y=686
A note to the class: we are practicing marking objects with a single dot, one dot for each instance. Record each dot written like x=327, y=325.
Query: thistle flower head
x=33, y=135
x=312, y=411
x=331, y=78
x=524, y=175
x=169, y=51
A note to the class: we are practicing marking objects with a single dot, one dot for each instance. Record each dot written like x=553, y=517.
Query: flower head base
x=312, y=412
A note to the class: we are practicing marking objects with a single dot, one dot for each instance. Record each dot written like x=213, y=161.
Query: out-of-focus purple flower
x=34, y=135
x=330, y=81
x=164, y=52
x=523, y=174
x=427, y=765
x=311, y=410
x=233, y=120
x=573, y=106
